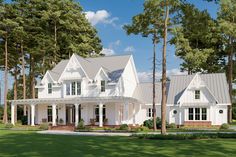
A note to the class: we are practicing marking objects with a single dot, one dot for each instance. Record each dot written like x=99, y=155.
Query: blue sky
x=108, y=17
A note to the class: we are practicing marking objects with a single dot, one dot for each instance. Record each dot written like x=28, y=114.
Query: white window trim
x=76, y=85
x=200, y=114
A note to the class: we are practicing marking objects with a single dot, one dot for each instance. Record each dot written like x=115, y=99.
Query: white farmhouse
x=106, y=91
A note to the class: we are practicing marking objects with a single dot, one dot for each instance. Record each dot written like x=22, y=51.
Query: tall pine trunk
x=23, y=75
x=163, y=100
x=154, y=83
x=55, y=43
x=230, y=78
x=5, y=118
x=32, y=81
x=15, y=90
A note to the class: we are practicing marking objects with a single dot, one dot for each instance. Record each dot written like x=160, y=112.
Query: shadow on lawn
x=32, y=144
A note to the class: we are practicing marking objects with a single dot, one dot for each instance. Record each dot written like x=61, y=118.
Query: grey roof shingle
x=113, y=65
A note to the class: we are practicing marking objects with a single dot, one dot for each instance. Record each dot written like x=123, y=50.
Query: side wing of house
x=203, y=100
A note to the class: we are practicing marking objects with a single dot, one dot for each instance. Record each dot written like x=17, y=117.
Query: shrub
x=61, y=121
x=24, y=120
x=8, y=125
x=149, y=123
x=143, y=128
x=44, y=126
x=124, y=127
x=224, y=126
x=81, y=124
x=172, y=126
x=185, y=136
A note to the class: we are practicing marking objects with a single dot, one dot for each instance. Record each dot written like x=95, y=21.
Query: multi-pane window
x=190, y=114
x=49, y=88
x=97, y=113
x=103, y=86
x=73, y=88
x=197, y=94
x=197, y=114
x=150, y=112
x=78, y=88
x=68, y=89
x=204, y=114
x=49, y=113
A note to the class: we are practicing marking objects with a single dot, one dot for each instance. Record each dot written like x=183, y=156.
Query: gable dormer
x=73, y=70
x=197, y=92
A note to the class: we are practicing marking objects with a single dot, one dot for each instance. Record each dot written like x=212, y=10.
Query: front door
x=70, y=114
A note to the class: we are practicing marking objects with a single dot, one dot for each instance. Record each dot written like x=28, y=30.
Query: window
x=197, y=94
x=150, y=112
x=103, y=84
x=97, y=113
x=49, y=113
x=68, y=89
x=190, y=114
x=78, y=88
x=49, y=88
x=197, y=113
x=73, y=88
x=204, y=114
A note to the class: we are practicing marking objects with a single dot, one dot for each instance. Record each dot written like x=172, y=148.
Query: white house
x=107, y=91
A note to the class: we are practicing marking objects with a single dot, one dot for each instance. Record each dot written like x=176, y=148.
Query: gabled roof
x=143, y=92
x=216, y=83
x=112, y=65
x=58, y=69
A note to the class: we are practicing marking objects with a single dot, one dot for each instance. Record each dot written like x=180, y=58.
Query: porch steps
x=63, y=127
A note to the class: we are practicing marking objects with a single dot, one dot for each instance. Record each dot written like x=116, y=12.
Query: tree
x=7, y=26
x=197, y=40
x=149, y=23
x=227, y=24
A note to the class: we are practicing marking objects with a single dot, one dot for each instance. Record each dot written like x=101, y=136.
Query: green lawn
x=28, y=143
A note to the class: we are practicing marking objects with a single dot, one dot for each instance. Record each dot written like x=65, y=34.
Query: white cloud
x=147, y=76
x=114, y=44
x=129, y=49
x=100, y=16
x=107, y=52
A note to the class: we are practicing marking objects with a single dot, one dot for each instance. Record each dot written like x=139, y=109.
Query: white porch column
x=28, y=114
x=134, y=120
x=32, y=114
x=76, y=114
x=54, y=114
x=12, y=114
x=126, y=113
x=100, y=115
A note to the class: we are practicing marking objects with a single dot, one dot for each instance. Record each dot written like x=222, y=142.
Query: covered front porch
x=99, y=111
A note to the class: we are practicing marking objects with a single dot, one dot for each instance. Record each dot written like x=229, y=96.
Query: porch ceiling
x=73, y=100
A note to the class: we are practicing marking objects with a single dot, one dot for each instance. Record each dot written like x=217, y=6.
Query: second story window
x=103, y=85
x=78, y=88
x=49, y=88
x=73, y=88
x=197, y=94
x=68, y=89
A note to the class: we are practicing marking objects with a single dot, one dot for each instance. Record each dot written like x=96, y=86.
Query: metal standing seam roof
x=112, y=65
x=216, y=83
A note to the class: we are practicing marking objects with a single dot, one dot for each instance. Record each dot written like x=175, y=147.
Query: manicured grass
x=28, y=143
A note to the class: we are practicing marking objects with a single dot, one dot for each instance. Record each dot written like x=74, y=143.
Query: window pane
x=103, y=86
x=190, y=114
x=49, y=113
x=78, y=88
x=67, y=89
x=197, y=113
x=204, y=114
x=49, y=88
x=73, y=88
x=197, y=94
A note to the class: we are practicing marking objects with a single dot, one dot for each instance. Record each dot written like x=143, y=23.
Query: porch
x=97, y=111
